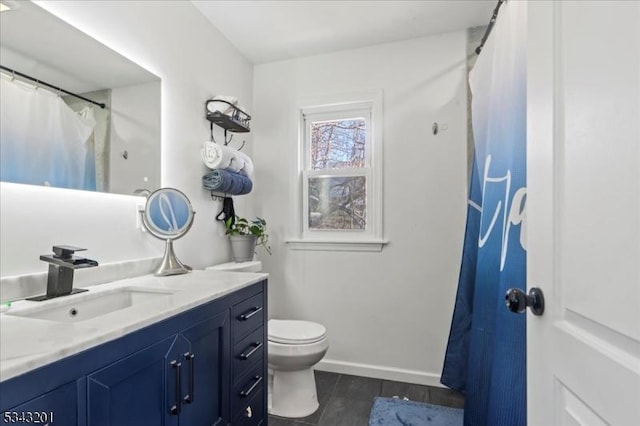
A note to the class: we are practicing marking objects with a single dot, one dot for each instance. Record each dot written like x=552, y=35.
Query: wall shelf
x=233, y=119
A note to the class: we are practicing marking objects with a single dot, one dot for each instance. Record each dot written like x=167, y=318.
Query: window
x=340, y=174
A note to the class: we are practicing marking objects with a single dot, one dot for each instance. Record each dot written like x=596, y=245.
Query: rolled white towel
x=244, y=161
x=216, y=156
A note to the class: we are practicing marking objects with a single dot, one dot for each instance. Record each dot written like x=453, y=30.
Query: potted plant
x=245, y=235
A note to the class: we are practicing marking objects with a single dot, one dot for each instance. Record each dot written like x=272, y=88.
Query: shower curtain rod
x=489, y=27
x=56, y=88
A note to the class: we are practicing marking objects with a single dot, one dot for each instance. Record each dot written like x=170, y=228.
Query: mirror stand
x=171, y=265
x=168, y=215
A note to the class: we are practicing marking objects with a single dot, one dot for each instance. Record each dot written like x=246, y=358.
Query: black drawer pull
x=247, y=392
x=254, y=347
x=175, y=408
x=189, y=357
x=251, y=312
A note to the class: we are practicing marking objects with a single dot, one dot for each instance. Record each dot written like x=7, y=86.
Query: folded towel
x=228, y=182
x=217, y=157
x=226, y=107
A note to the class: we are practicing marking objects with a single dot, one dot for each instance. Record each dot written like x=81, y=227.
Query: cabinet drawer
x=248, y=386
x=248, y=351
x=251, y=413
x=247, y=316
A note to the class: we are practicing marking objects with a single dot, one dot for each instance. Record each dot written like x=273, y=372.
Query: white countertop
x=27, y=343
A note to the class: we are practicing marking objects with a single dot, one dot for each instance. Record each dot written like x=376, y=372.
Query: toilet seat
x=290, y=332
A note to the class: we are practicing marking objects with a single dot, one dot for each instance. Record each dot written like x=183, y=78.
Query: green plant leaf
x=257, y=227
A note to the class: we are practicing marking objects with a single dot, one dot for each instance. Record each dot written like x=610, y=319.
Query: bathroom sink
x=91, y=305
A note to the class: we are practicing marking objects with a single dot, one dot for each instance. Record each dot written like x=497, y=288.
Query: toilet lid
x=295, y=332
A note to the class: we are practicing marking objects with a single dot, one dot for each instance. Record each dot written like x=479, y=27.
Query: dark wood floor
x=347, y=400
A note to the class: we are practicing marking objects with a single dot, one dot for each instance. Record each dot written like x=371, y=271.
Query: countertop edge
x=96, y=335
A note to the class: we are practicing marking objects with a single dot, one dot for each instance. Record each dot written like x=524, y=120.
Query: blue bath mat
x=399, y=412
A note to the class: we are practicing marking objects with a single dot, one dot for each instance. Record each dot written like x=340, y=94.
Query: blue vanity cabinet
x=178, y=381
x=249, y=361
x=132, y=391
x=179, y=371
x=205, y=361
x=59, y=406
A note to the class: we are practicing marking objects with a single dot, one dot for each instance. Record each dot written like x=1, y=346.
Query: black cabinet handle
x=175, y=408
x=189, y=357
x=251, y=312
x=254, y=347
x=256, y=381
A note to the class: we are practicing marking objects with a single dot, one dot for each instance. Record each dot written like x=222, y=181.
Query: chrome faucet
x=62, y=263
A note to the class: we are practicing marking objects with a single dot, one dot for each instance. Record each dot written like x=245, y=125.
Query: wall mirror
x=51, y=138
x=168, y=215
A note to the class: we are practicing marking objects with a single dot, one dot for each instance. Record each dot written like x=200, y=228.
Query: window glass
x=338, y=144
x=337, y=203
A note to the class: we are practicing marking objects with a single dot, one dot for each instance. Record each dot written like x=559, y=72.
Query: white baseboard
x=379, y=372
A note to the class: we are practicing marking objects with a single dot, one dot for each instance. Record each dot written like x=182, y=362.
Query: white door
x=583, y=212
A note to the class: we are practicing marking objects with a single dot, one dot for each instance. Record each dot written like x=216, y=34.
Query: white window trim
x=371, y=240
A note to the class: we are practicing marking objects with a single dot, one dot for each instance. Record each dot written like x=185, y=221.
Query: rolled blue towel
x=227, y=181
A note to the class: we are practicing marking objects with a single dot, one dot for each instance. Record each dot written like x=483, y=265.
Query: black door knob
x=517, y=301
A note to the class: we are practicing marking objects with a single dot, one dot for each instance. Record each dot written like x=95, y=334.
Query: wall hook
x=211, y=131
x=227, y=141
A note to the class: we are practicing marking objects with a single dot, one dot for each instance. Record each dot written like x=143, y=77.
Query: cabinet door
x=60, y=406
x=135, y=390
x=206, y=367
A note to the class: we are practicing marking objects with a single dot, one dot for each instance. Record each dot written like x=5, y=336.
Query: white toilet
x=294, y=347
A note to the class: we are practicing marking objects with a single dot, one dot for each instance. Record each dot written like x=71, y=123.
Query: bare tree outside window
x=337, y=202
x=338, y=144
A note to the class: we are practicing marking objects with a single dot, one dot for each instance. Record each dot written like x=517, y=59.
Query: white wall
x=194, y=62
x=388, y=313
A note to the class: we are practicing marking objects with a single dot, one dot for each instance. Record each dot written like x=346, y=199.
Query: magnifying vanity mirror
x=50, y=137
x=168, y=215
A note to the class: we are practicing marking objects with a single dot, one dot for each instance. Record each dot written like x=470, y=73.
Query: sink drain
x=73, y=312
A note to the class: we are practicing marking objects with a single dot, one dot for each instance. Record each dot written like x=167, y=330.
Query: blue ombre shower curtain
x=486, y=353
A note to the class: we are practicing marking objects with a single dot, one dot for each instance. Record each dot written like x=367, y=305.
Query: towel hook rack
x=211, y=131
x=219, y=196
x=235, y=121
x=227, y=140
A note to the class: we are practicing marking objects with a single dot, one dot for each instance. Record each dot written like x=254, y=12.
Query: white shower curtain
x=98, y=146
x=42, y=141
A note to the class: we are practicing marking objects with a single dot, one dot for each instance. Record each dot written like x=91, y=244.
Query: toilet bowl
x=294, y=347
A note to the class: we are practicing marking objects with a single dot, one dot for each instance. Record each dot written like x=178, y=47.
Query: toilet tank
x=252, y=266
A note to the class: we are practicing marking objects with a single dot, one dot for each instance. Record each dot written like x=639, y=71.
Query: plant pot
x=243, y=247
